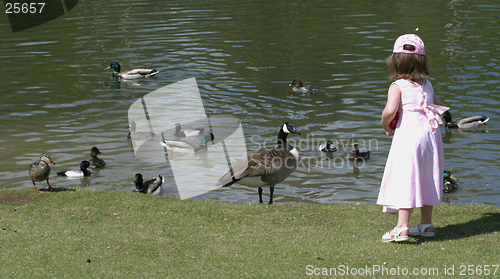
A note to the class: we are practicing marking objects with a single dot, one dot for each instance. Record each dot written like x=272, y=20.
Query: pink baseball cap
x=409, y=39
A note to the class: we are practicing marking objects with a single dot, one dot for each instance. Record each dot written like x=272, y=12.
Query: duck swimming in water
x=95, y=161
x=464, y=122
x=186, y=147
x=130, y=74
x=178, y=132
x=357, y=155
x=328, y=147
x=83, y=171
x=298, y=87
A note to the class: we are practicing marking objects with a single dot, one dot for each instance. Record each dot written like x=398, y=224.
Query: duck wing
x=180, y=146
x=39, y=171
x=97, y=162
x=138, y=73
x=154, y=185
x=471, y=122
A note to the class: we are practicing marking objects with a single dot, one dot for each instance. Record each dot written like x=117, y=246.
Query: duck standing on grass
x=298, y=87
x=40, y=171
x=150, y=187
x=95, y=161
x=130, y=74
x=266, y=166
x=77, y=173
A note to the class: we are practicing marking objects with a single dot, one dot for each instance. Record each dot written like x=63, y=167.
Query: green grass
x=137, y=236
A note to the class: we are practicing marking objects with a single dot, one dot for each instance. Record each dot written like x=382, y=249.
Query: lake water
x=57, y=98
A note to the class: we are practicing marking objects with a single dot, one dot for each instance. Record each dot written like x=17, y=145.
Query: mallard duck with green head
x=449, y=182
x=464, y=122
x=130, y=74
x=186, y=147
x=40, y=171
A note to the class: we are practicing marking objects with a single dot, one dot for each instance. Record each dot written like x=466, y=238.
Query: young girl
x=413, y=175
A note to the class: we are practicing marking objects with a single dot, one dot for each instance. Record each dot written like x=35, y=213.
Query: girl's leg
x=403, y=219
x=426, y=218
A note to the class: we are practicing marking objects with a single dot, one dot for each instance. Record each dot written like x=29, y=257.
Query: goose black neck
x=282, y=140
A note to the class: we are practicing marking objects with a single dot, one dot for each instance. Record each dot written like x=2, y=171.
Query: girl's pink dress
x=413, y=174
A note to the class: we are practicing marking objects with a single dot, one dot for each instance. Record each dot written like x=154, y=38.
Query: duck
x=357, y=155
x=298, y=87
x=77, y=173
x=464, y=122
x=40, y=171
x=95, y=161
x=186, y=147
x=266, y=166
x=131, y=74
x=328, y=147
x=150, y=187
x=449, y=182
x=187, y=132
x=138, y=135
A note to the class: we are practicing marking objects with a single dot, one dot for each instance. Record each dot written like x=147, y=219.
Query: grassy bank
x=85, y=233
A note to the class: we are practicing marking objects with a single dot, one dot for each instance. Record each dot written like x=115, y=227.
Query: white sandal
x=419, y=230
x=397, y=235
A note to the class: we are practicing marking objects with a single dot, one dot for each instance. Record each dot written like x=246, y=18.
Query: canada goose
x=358, y=156
x=449, y=182
x=465, y=122
x=298, y=87
x=150, y=187
x=138, y=135
x=83, y=171
x=266, y=166
x=186, y=132
x=131, y=74
x=188, y=147
x=327, y=147
x=95, y=161
x=40, y=171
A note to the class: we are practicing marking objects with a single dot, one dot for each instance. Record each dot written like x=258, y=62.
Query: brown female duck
x=40, y=171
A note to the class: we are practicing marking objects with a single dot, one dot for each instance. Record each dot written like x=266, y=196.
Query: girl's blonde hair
x=410, y=66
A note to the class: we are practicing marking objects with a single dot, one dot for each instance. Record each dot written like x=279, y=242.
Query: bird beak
x=296, y=131
x=108, y=68
x=453, y=177
x=215, y=142
x=52, y=162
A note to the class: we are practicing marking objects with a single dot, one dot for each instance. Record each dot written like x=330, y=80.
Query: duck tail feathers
x=153, y=73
